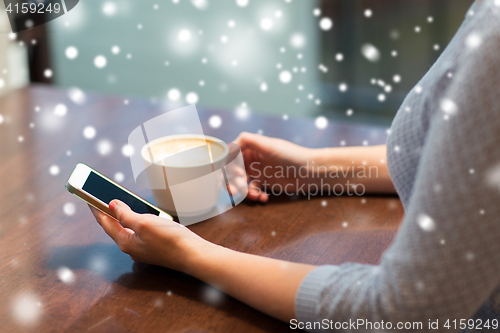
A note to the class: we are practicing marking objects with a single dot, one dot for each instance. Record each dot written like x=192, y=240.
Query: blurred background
x=346, y=60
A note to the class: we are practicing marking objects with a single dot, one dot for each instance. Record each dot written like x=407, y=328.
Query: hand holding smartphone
x=98, y=190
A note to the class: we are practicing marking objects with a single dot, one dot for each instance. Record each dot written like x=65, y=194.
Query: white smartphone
x=98, y=190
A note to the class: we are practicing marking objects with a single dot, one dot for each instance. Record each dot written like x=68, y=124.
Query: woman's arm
x=271, y=161
x=359, y=165
x=266, y=284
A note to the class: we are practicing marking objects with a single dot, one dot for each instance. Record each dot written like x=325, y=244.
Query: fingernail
x=113, y=204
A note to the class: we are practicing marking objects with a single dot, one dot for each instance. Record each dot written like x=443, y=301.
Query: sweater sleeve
x=445, y=260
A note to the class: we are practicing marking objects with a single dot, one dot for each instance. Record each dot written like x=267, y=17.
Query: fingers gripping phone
x=98, y=190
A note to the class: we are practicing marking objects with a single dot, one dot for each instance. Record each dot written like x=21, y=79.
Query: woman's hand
x=266, y=284
x=264, y=156
x=151, y=239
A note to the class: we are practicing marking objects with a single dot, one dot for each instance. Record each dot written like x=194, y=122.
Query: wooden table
x=60, y=272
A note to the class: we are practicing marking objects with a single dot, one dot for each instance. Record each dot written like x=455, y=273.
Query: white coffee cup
x=184, y=172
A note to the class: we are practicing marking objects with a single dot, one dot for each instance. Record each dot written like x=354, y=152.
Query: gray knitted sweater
x=444, y=160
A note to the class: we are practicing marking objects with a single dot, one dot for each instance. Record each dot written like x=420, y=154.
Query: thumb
x=127, y=217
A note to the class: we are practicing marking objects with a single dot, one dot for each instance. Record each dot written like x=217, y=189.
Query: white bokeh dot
x=285, y=77
x=69, y=208
x=60, y=110
x=448, y=106
x=426, y=223
x=326, y=23
x=266, y=23
x=66, y=275
x=100, y=61
x=473, y=40
x=174, y=94
x=119, y=177
x=54, y=170
x=370, y=52
x=184, y=35
x=48, y=73
x=297, y=40
x=109, y=8
x=104, y=147
x=98, y=263
x=242, y=3
x=71, y=52
x=192, y=98
x=215, y=121
x=242, y=112
x=321, y=122
x=89, y=132
x=128, y=150
x=77, y=96
x=26, y=309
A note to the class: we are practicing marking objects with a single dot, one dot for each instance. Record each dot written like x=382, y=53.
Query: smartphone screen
x=106, y=191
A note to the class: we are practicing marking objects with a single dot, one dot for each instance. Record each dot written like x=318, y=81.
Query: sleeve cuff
x=308, y=295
